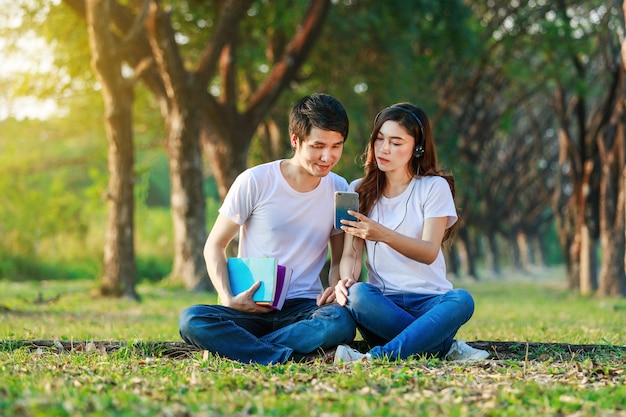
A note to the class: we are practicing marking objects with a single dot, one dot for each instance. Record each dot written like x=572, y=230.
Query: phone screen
x=345, y=201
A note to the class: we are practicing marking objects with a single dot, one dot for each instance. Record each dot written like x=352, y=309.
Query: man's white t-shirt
x=392, y=272
x=279, y=222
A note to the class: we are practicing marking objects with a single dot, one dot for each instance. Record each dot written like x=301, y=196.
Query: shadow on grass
x=502, y=351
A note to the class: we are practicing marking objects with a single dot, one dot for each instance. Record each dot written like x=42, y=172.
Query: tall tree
x=229, y=131
x=591, y=146
x=183, y=86
x=117, y=92
x=612, y=153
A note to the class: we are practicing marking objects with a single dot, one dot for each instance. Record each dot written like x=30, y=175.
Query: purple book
x=283, y=278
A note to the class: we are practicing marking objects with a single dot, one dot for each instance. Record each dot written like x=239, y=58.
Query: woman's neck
x=396, y=184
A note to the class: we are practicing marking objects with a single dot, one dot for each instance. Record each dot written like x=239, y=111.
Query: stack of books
x=274, y=278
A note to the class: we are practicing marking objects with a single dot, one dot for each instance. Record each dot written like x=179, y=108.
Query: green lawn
x=138, y=380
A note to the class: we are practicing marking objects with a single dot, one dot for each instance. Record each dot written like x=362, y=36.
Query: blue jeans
x=401, y=325
x=299, y=328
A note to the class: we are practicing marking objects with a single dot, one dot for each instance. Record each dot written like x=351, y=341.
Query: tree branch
x=138, y=25
x=295, y=54
x=166, y=54
x=225, y=31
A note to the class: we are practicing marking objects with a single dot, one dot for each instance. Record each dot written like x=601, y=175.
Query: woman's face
x=393, y=147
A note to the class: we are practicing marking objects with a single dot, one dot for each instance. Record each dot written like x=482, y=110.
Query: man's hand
x=327, y=297
x=243, y=301
x=341, y=290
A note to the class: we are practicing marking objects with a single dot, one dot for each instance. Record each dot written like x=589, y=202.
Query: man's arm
x=222, y=233
x=336, y=247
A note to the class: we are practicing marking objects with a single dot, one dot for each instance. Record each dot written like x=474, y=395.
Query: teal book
x=243, y=272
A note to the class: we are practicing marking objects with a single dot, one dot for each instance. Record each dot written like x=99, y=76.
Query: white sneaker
x=461, y=351
x=345, y=354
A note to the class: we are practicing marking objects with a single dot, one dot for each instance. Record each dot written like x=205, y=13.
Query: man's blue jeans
x=400, y=325
x=299, y=328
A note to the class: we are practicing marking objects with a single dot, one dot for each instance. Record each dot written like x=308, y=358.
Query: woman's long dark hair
x=374, y=181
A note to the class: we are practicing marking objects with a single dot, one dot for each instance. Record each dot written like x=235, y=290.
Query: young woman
x=406, y=212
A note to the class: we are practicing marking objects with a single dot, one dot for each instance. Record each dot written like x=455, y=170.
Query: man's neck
x=297, y=177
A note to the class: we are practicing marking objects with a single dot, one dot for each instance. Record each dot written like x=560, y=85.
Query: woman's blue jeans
x=401, y=325
x=299, y=328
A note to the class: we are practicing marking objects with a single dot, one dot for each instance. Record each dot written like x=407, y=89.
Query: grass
x=543, y=310
x=138, y=380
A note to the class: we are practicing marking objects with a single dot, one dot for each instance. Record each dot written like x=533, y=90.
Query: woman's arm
x=349, y=267
x=336, y=252
x=423, y=249
x=336, y=246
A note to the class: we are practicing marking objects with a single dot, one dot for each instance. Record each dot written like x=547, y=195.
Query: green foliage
x=553, y=254
x=154, y=180
x=59, y=67
x=45, y=222
x=370, y=54
x=22, y=268
x=54, y=176
x=37, y=184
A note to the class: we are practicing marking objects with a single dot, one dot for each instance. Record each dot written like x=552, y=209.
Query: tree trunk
x=187, y=199
x=470, y=252
x=586, y=285
x=494, y=251
x=612, y=271
x=520, y=251
x=612, y=199
x=538, y=251
x=119, y=256
x=574, y=249
x=273, y=145
x=452, y=260
x=183, y=122
x=565, y=211
x=227, y=155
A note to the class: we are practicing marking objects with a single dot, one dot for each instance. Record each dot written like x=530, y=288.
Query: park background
x=123, y=122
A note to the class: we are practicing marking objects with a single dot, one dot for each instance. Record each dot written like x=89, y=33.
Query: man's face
x=319, y=152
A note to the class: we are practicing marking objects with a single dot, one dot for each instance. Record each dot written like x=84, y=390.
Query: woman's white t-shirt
x=392, y=272
x=279, y=222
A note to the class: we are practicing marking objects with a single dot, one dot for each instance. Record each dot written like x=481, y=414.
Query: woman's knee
x=360, y=293
x=464, y=300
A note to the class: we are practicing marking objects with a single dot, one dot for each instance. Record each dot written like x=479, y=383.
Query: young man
x=284, y=210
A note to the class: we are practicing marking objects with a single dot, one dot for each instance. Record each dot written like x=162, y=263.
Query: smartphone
x=345, y=201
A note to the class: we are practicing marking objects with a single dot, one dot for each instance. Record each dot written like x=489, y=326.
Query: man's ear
x=294, y=141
